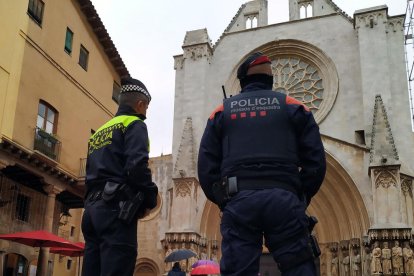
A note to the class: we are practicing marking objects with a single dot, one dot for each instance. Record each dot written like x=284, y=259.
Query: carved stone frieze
x=395, y=24
x=406, y=185
x=370, y=19
x=183, y=186
x=178, y=62
x=387, y=234
x=197, y=52
x=385, y=177
x=179, y=240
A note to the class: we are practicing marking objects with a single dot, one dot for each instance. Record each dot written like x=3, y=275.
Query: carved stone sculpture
x=345, y=263
x=367, y=262
x=408, y=259
x=386, y=260
x=397, y=260
x=356, y=263
x=376, y=259
x=168, y=265
x=334, y=264
x=203, y=255
x=214, y=256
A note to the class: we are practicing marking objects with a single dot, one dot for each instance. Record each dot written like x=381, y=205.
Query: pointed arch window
x=248, y=23
x=309, y=10
x=306, y=10
x=302, y=12
x=252, y=21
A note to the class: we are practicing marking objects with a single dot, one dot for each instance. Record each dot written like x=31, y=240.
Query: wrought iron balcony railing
x=47, y=144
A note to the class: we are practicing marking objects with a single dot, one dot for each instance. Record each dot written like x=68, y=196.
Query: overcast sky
x=148, y=34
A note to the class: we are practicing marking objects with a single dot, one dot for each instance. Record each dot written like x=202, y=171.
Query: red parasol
x=39, y=239
x=69, y=251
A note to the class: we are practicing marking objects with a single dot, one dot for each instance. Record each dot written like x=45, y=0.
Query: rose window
x=298, y=79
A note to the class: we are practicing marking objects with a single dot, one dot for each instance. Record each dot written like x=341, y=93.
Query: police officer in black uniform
x=119, y=186
x=261, y=159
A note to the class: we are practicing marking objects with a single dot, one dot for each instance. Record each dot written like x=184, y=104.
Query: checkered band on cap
x=135, y=88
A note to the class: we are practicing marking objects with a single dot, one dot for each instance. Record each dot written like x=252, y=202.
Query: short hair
x=131, y=98
x=176, y=265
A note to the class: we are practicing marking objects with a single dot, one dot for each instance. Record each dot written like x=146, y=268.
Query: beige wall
x=34, y=66
x=13, y=17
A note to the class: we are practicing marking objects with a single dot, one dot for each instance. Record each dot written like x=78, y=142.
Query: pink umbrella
x=205, y=269
x=204, y=262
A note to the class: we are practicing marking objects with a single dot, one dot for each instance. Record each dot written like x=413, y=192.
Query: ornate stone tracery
x=395, y=24
x=178, y=62
x=183, y=187
x=197, y=52
x=370, y=19
x=406, y=186
x=299, y=79
x=385, y=178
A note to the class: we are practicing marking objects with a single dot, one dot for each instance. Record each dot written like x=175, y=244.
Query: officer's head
x=255, y=68
x=134, y=94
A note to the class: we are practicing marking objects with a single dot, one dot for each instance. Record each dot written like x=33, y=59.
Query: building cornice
x=104, y=39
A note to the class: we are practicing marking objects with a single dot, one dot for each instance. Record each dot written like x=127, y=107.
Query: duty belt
x=260, y=184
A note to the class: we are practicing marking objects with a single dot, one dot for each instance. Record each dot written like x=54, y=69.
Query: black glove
x=150, y=191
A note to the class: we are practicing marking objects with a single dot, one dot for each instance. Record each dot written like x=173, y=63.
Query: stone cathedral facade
x=351, y=72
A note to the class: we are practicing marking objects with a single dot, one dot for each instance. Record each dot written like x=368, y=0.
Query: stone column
x=2, y=254
x=42, y=261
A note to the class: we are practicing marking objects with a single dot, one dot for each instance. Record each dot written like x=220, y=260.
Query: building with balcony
x=59, y=78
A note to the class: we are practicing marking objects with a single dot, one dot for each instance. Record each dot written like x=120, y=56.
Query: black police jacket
x=118, y=152
x=262, y=134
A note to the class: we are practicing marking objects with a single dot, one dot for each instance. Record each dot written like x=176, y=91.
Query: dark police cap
x=252, y=60
x=129, y=85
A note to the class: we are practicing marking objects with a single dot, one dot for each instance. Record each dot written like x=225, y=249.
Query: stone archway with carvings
x=338, y=206
x=146, y=267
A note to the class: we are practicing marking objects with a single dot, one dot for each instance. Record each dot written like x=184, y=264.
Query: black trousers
x=276, y=215
x=111, y=245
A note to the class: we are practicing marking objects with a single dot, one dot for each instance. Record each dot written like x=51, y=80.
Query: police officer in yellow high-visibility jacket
x=117, y=155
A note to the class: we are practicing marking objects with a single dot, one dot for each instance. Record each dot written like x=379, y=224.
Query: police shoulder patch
x=219, y=108
x=293, y=101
